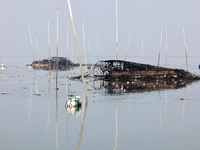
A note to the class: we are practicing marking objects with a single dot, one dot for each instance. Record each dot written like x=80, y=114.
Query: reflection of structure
x=136, y=86
x=125, y=70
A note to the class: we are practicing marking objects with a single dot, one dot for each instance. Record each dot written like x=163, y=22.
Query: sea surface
x=156, y=119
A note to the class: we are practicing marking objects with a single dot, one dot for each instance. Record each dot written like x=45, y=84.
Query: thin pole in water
x=83, y=26
x=57, y=12
x=186, y=48
x=117, y=38
x=128, y=45
x=77, y=47
x=166, y=47
x=161, y=34
x=48, y=30
x=29, y=29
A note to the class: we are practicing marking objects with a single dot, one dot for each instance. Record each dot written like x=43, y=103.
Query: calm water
x=139, y=120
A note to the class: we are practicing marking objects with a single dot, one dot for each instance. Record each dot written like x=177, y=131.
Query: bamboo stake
x=166, y=47
x=161, y=32
x=57, y=12
x=186, y=47
x=128, y=45
x=77, y=47
x=142, y=46
x=84, y=41
x=29, y=28
x=89, y=52
x=48, y=43
x=117, y=29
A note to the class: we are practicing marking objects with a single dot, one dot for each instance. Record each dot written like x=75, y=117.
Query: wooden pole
x=84, y=41
x=161, y=33
x=128, y=46
x=49, y=44
x=77, y=47
x=33, y=54
x=186, y=47
x=117, y=29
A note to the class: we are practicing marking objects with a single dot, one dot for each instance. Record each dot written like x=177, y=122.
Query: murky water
x=154, y=119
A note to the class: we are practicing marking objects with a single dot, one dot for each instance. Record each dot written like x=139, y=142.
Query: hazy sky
x=141, y=18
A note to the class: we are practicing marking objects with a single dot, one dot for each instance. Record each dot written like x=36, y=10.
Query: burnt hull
x=117, y=70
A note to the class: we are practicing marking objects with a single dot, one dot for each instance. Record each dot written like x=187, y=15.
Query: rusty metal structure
x=118, y=70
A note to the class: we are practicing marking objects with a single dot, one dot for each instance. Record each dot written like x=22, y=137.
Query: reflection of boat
x=74, y=110
x=118, y=70
x=74, y=101
x=139, y=86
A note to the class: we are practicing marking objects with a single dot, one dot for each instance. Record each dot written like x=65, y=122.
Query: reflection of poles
x=48, y=112
x=183, y=108
x=116, y=126
x=82, y=125
x=56, y=126
x=30, y=104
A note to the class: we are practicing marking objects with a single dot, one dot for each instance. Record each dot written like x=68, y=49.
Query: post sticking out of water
x=128, y=45
x=57, y=12
x=29, y=28
x=117, y=29
x=161, y=33
x=142, y=47
x=77, y=47
x=48, y=43
x=84, y=41
x=186, y=48
x=166, y=47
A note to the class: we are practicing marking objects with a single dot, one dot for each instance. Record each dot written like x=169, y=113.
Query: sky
x=142, y=19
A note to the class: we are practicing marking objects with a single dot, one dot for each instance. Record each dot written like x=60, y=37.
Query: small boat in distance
x=75, y=101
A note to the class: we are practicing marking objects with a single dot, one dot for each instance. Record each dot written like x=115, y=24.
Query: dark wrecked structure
x=51, y=64
x=118, y=70
x=119, y=76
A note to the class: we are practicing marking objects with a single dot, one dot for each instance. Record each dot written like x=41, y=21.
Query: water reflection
x=82, y=124
x=136, y=86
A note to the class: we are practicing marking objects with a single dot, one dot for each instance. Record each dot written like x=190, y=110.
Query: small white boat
x=74, y=101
